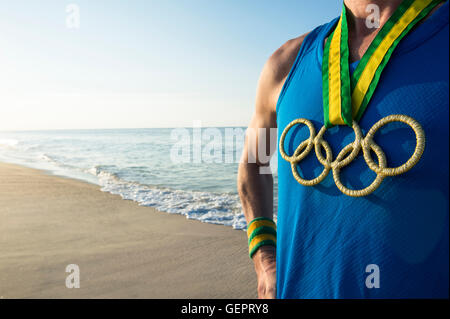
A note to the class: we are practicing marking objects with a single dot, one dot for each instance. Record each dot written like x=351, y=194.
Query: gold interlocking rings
x=350, y=152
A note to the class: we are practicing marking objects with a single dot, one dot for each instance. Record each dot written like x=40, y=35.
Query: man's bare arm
x=256, y=189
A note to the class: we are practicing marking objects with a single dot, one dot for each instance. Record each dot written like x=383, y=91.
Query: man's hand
x=265, y=266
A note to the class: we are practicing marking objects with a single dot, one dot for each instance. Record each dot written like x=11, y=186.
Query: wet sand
x=123, y=250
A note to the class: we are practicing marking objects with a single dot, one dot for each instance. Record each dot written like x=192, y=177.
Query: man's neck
x=361, y=34
x=359, y=12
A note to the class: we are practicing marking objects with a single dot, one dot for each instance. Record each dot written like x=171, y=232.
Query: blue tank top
x=328, y=243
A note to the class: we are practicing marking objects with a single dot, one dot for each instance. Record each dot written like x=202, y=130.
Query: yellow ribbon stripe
x=335, y=77
x=261, y=238
x=369, y=72
x=257, y=224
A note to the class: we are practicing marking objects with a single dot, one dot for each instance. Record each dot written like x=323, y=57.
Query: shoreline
x=123, y=250
x=157, y=197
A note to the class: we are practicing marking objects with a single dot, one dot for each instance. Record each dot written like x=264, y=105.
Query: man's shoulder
x=282, y=60
x=276, y=71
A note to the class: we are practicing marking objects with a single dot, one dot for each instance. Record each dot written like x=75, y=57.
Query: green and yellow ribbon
x=261, y=231
x=347, y=97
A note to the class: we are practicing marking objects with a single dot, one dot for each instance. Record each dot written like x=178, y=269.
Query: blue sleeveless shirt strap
x=309, y=43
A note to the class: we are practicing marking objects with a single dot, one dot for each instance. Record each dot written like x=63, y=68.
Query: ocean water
x=168, y=169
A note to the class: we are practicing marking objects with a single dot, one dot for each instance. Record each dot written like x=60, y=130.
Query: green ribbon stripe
x=387, y=57
x=348, y=83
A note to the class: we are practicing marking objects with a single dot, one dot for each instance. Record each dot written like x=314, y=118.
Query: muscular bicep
x=261, y=135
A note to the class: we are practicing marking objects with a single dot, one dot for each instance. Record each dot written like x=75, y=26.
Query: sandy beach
x=123, y=250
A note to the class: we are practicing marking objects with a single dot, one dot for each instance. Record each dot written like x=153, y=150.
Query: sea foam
x=223, y=209
x=136, y=164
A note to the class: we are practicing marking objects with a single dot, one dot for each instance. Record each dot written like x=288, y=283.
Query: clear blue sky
x=162, y=63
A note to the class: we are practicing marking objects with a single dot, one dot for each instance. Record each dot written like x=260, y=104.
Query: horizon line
x=117, y=128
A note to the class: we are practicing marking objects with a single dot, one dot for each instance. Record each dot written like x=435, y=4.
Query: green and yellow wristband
x=261, y=231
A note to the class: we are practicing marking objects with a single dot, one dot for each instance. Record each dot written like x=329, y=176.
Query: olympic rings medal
x=420, y=145
x=367, y=144
x=322, y=175
x=298, y=157
x=369, y=189
x=338, y=163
